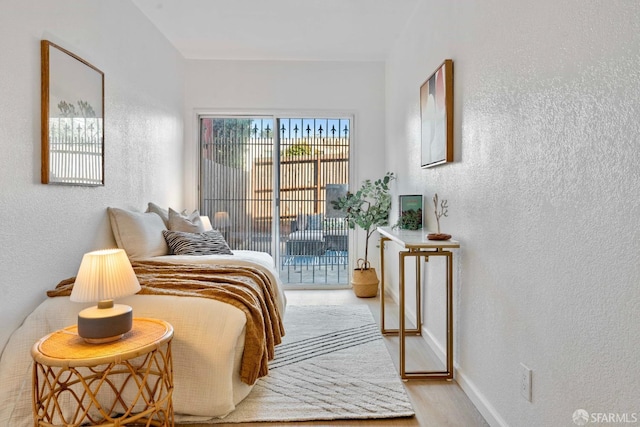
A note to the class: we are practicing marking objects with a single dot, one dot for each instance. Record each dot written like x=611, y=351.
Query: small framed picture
x=410, y=212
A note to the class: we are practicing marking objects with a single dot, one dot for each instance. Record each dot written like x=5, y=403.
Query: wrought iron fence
x=75, y=150
x=238, y=191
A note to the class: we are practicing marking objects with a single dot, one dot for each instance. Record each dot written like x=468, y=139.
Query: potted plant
x=367, y=208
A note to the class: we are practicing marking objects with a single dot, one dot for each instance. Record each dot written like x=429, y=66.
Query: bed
x=208, y=344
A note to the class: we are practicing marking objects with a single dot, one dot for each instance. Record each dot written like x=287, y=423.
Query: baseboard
x=483, y=406
x=486, y=409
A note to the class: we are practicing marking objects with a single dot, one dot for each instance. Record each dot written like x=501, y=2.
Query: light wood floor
x=436, y=403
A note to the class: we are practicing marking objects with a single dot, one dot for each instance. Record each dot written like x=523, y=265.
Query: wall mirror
x=72, y=118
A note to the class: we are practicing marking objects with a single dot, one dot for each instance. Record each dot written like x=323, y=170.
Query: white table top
x=416, y=239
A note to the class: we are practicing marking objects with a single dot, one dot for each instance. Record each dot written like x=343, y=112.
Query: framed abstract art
x=436, y=116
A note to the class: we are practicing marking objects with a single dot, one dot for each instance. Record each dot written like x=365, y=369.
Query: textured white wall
x=47, y=228
x=290, y=87
x=543, y=195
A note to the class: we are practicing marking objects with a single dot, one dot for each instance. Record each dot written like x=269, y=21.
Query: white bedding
x=207, y=345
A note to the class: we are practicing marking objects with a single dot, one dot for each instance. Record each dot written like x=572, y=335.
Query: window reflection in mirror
x=72, y=119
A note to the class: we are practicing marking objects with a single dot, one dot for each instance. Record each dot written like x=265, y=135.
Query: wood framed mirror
x=72, y=118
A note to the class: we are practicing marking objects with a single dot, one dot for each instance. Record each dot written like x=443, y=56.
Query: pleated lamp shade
x=103, y=276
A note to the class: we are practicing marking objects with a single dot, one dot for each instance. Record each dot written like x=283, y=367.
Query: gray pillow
x=207, y=243
x=164, y=213
x=188, y=223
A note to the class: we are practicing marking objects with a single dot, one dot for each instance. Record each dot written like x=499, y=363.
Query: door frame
x=192, y=172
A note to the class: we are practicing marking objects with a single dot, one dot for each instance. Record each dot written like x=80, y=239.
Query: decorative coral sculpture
x=441, y=209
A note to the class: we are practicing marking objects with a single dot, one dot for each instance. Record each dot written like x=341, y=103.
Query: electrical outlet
x=525, y=382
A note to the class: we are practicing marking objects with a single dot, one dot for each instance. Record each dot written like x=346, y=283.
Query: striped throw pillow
x=208, y=243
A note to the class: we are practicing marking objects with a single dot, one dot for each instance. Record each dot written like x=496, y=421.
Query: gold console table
x=415, y=244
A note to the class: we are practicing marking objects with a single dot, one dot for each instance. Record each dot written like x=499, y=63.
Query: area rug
x=332, y=364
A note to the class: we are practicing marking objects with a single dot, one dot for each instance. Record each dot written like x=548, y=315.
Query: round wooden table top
x=67, y=349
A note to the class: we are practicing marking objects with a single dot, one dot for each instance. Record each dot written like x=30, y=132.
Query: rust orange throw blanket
x=246, y=288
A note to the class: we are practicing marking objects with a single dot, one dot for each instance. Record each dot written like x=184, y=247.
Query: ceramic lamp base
x=100, y=325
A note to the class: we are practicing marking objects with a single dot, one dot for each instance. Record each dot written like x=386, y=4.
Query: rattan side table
x=113, y=384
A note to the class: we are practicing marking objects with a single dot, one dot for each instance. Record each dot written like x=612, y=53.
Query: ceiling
x=319, y=30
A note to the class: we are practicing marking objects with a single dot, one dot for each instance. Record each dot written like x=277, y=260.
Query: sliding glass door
x=267, y=184
x=235, y=191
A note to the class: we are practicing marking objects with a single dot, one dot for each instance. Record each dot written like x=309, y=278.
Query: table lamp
x=221, y=220
x=103, y=276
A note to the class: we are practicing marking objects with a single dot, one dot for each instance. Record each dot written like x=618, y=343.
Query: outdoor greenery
x=299, y=149
x=226, y=139
x=69, y=110
x=368, y=207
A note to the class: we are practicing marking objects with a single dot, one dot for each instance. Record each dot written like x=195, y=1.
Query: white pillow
x=185, y=223
x=139, y=234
